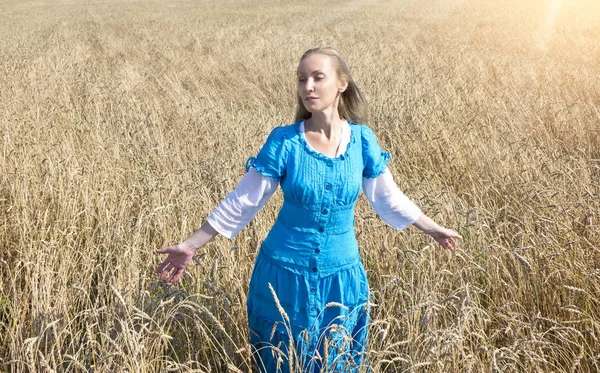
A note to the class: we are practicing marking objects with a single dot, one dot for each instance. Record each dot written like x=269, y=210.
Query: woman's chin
x=313, y=109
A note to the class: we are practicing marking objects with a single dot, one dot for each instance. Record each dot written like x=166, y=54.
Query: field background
x=124, y=123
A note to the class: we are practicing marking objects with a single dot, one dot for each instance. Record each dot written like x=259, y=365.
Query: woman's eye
x=301, y=80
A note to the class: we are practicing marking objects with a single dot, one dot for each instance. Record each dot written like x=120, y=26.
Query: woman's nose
x=309, y=85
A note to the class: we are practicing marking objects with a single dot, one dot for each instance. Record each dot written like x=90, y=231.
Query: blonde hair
x=352, y=105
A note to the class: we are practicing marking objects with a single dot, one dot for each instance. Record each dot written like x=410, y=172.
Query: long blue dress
x=308, y=295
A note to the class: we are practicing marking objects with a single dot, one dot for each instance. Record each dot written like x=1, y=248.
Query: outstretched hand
x=447, y=238
x=179, y=256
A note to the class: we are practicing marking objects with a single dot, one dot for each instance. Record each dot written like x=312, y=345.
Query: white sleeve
x=240, y=206
x=389, y=202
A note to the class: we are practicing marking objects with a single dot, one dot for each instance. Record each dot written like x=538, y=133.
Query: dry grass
x=125, y=122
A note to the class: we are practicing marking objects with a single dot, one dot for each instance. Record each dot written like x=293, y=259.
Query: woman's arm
x=389, y=202
x=399, y=211
x=179, y=256
x=232, y=214
x=241, y=205
x=447, y=238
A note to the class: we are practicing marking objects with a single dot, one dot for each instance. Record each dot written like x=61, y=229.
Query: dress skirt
x=312, y=322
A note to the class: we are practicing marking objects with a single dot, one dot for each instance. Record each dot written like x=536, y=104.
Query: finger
x=164, y=275
x=162, y=266
x=176, y=275
x=165, y=250
x=456, y=245
x=165, y=272
x=457, y=242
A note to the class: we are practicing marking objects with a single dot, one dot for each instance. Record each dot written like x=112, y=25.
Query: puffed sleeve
x=270, y=160
x=375, y=160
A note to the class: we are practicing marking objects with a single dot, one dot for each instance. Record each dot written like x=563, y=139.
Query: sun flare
x=547, y=29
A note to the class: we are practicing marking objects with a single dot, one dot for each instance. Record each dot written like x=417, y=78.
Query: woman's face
x=318, y=83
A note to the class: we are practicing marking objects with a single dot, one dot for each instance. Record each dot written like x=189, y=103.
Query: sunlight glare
x=547, y=28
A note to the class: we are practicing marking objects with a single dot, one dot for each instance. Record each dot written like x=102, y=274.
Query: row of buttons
x=328, y=186
x=321, y=229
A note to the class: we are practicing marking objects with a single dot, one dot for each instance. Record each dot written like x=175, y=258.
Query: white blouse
x=254, y=190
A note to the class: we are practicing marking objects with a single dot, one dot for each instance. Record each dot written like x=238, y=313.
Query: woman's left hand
x=447, y=238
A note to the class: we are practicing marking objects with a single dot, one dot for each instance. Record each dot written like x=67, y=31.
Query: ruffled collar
x=348, y=135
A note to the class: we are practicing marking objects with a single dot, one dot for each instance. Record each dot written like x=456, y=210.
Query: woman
x=308, y=295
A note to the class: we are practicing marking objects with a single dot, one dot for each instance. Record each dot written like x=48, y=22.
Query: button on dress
x=308, y=294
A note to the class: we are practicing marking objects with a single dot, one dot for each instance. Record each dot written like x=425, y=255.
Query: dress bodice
x=314, y=231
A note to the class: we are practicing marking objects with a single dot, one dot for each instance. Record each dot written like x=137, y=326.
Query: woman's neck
x=329, y=124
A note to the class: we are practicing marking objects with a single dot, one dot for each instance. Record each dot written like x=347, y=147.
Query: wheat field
x=124, y=123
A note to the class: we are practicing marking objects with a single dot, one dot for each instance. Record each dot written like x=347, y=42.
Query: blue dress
x=308, y=295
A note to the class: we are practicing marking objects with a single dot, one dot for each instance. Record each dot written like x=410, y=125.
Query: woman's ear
x=343, y=86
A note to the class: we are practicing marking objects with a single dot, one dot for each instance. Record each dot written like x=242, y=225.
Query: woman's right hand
x=178, y=258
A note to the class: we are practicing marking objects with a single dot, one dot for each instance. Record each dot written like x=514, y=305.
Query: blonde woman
x=310, y=259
